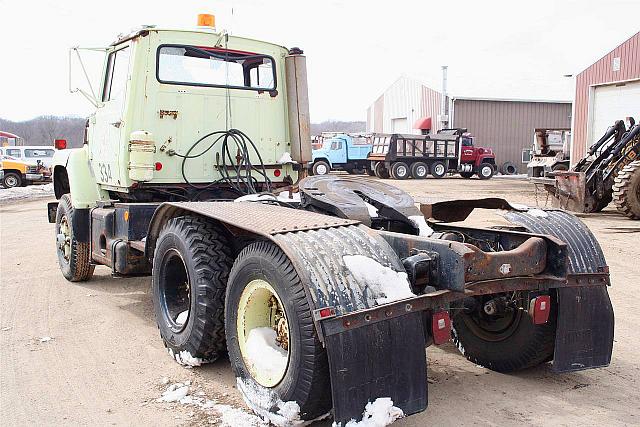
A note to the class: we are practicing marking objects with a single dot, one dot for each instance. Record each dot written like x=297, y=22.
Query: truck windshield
x=190, y=65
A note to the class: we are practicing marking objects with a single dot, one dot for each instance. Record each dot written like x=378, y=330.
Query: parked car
x=17, y=173
x=30, y=153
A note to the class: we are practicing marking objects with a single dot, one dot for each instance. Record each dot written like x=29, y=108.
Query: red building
x=607, y=91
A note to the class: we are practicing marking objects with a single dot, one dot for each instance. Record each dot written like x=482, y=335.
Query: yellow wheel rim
x=261, y=307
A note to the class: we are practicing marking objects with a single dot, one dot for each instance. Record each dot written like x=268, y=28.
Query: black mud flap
x=584, y=333
x=584, y=336
x=383, y=359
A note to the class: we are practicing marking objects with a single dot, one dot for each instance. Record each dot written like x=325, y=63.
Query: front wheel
x=485, y=171
x=11, y=180
x=321, y=168
x=495, y=331
x=74, y=257
x=271, y=337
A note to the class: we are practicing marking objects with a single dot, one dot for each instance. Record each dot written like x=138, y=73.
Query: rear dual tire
x=507, y=343
x=191, y=265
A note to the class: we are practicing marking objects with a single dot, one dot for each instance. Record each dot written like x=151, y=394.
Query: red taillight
x=326, y=312
x=276, y=173
x=441, y=327
x=60, y=144
x=158, y=166
x=539, y=309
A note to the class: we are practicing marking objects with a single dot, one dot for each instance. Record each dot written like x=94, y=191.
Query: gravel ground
x=104, y=362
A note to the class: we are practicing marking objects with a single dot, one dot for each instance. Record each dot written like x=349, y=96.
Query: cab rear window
x=197, y=66
x=35, y=153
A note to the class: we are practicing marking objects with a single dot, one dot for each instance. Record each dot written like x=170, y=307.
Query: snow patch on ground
x=268, y=406
x=227, y=415
x=379, y=413
x=419, y=221
x=387, y=285
x=28, y=192
x=284, y=197
x=182, y=317
x=186, y=359
x=519, y=207
x=264, y=353
x=45, y=339
x=286, y=158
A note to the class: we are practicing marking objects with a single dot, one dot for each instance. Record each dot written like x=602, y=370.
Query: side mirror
x=60, y=144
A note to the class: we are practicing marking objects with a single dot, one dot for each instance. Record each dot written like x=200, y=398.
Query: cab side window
x=115, y=82
x=14, y=153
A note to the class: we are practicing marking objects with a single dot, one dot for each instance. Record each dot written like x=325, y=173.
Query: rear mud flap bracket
x=383, y=359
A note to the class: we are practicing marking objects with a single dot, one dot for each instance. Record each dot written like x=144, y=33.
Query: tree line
x=44, y=129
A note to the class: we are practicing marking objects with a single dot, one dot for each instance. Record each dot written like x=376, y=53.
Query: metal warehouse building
x=606, y=91
x=506, y=125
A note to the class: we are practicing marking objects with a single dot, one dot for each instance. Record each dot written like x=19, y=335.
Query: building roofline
x=480, y=98
x=600, y=58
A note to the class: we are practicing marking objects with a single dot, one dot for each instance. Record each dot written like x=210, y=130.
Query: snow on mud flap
x=584, y=334
x=348, y=269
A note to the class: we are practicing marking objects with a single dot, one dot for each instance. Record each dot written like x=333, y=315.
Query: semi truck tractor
x=401, y=156
x=341, y=151
x=345, y=279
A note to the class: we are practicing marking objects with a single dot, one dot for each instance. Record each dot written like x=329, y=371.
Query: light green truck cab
x=162, y=90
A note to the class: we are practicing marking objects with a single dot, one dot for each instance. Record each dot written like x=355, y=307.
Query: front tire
x=74, y=257
x=191, y=265
x=626, y=190
x=12, y=180
x=265, y=293
x=485, y=171
x=321, y=168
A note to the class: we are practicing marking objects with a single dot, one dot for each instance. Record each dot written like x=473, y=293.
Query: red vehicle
x=476, y=160
x=448, y=151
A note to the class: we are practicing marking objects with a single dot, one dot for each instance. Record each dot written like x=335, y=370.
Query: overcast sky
x=355, y=49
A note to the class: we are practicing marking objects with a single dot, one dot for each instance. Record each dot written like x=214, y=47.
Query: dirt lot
x=105, y=361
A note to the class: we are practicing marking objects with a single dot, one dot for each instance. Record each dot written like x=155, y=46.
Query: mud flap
x=584, y=336
x=585, y=323
x=382, y=359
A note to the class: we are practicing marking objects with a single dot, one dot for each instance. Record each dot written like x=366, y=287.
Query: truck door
x=338, y=151
x=467, y=154
x=107, y=123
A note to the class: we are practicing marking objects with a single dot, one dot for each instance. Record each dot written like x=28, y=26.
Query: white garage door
x=399, y=125
x=611, y=103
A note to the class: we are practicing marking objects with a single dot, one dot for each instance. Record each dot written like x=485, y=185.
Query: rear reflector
x=539, y=309
x=440, y=327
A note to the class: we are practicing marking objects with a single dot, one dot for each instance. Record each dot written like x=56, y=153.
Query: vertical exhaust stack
x=444, y=114
x=298, y=101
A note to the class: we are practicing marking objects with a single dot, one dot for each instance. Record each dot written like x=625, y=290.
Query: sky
x=355, y=49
